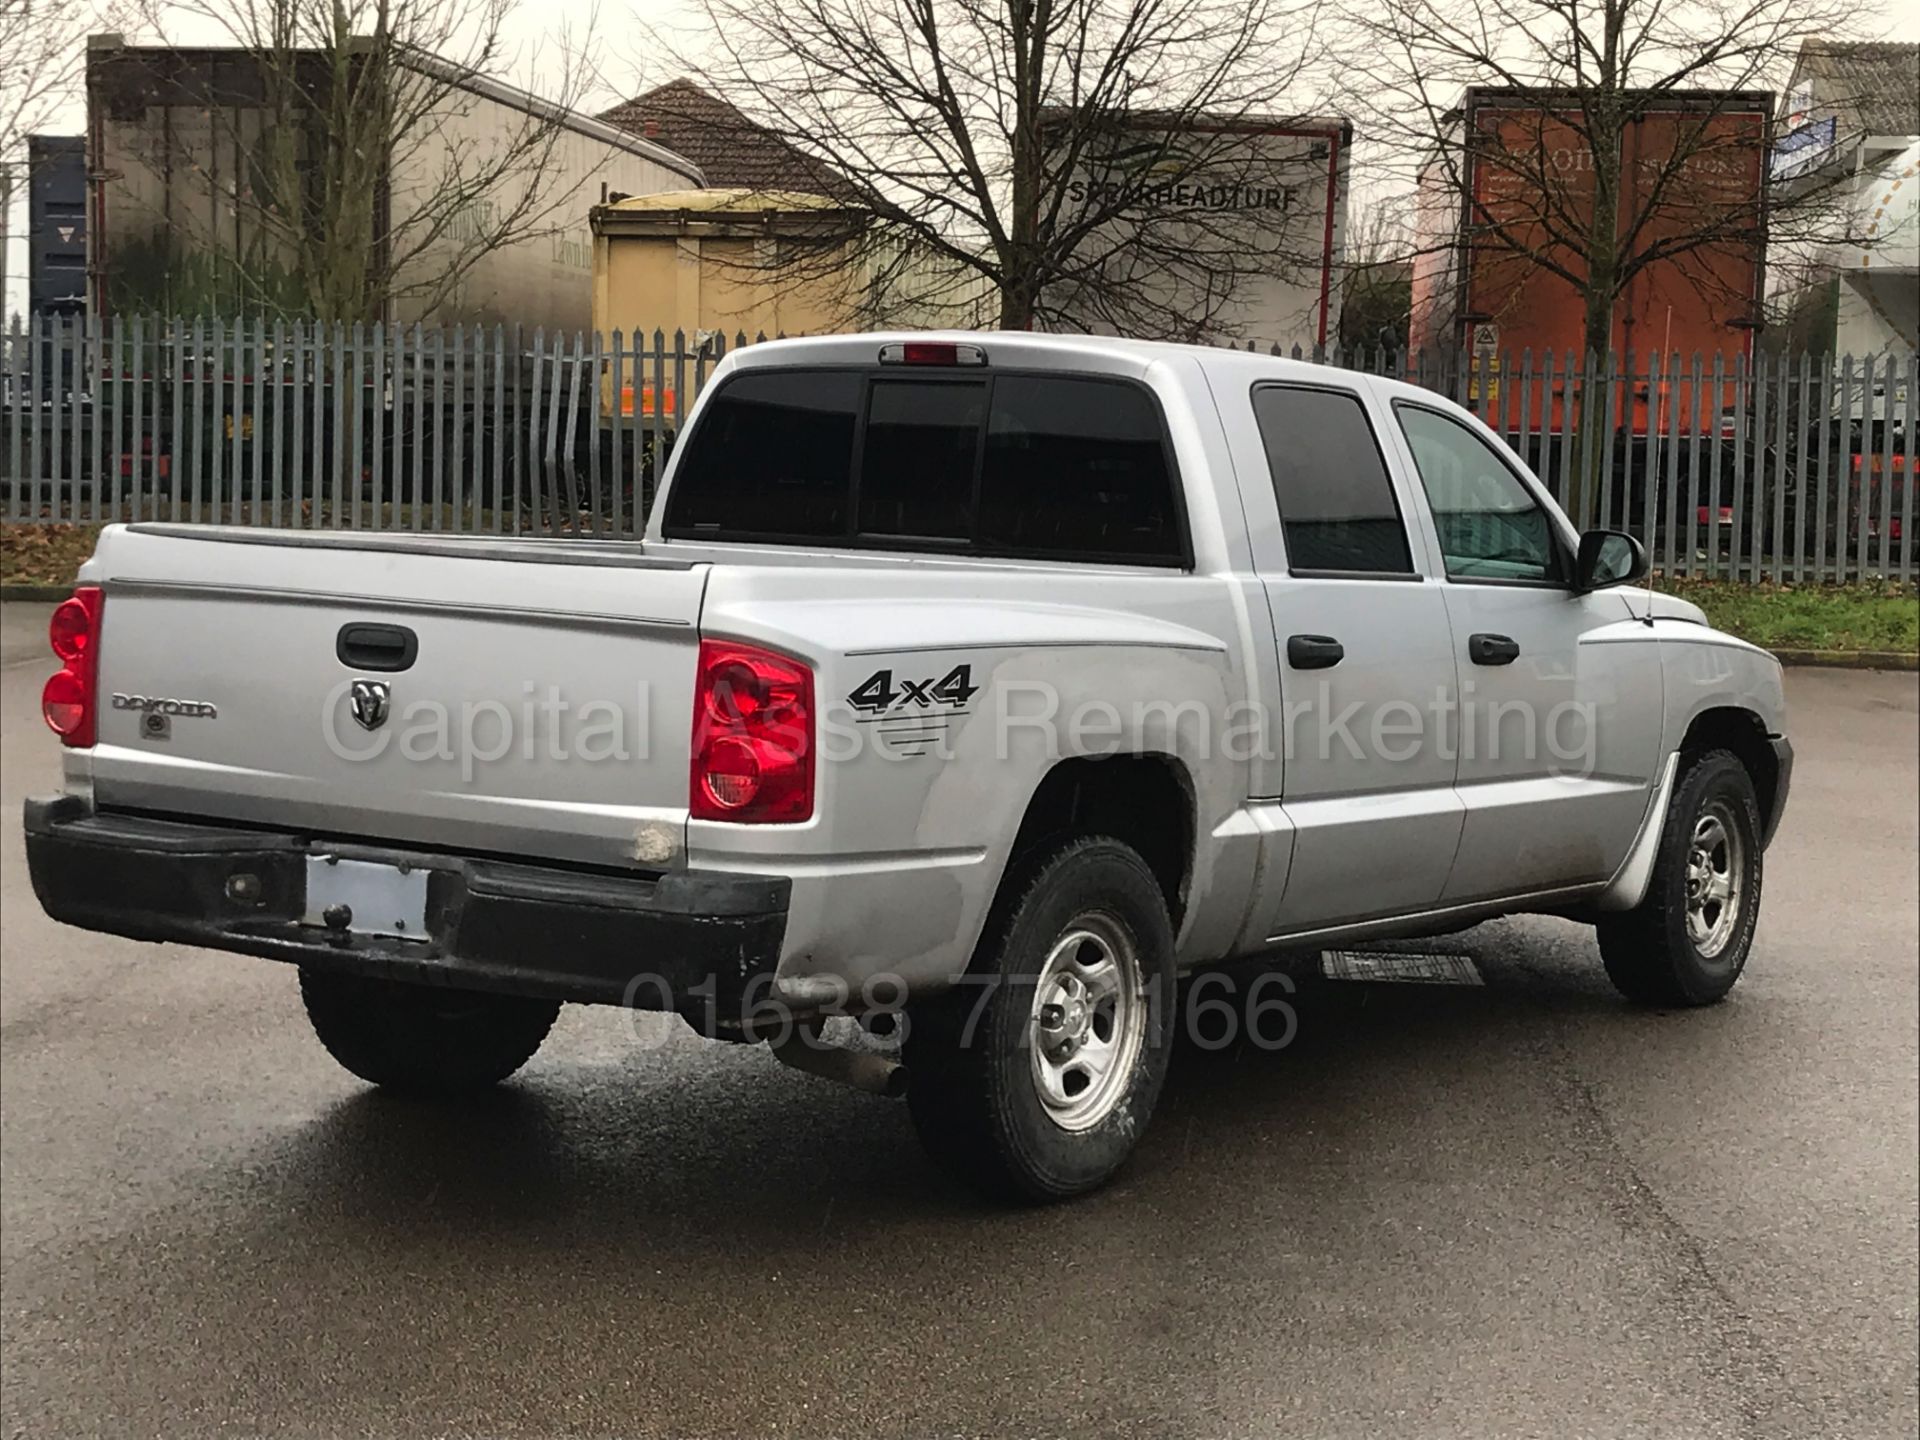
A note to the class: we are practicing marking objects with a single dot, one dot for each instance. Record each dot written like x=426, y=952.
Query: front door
x=1560, y=694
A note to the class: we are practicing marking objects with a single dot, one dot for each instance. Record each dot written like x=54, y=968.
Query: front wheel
x=423, y=1039
x=1687, y=941
x=1035, y=1079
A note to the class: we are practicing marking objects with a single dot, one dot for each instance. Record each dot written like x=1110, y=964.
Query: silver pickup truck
x=976, y=686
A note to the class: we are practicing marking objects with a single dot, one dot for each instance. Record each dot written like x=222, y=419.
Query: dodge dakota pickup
x=975, y=686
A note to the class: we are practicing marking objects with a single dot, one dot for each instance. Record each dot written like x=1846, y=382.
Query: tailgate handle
x=376, y=647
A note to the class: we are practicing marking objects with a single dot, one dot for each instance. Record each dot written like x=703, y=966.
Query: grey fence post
x=80, y=399
x=584, y=356
x=437, y=427
x=1859, y=447
x=136, y=440
x=1802, y=432
x=39, y=362
x=1783, y=374
x=593, y=361
x=55, y=368
x=1887, y=457
x=1823, y=563
x=516, y=438
x=98, y=386
x=551, y=453
x=681, y=403
x=616, y=457
x=387, y=495
x=376, y=405
x=354, y=441
x=1655, y=448
x=1907, y=475
x=12, y=367
x=499, y=489
x=465, y=495
x=236, y=422
x=15, y=412
x=1529, y=451
x=107, y=447
x=245, y=423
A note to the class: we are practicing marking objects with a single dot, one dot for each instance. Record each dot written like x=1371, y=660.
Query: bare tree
x=1104, y=163
x=357, y=180
x=1631, y=146
x=1377, y=279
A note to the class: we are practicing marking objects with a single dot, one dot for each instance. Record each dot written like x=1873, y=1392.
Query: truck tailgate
x=545, y=710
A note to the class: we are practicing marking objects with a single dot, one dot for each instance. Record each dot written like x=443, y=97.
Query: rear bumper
x=691, y=940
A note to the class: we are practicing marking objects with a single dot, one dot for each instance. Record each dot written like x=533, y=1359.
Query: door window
x=1491, y=526
x=1336, y=503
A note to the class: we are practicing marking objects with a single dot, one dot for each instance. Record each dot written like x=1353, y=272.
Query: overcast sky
x=623, y=64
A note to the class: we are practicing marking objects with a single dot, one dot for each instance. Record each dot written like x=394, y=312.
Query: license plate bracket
x=366, y=897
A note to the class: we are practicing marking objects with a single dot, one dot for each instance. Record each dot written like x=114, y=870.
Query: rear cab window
x=1338, y=513
x=1014, y=464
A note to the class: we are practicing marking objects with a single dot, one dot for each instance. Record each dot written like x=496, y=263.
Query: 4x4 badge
x=369, y=700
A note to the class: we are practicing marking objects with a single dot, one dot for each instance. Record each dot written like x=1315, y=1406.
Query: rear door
x=1560, y=694
x=1366, y=663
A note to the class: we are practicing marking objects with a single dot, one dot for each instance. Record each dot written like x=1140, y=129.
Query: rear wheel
x=1687, y=941
x=423, y=1039
x=1036, y=1080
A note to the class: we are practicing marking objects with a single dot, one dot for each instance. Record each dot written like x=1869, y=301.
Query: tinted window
x=1077, y=467
x=773, y=456
x=1020, y=464
x=1336, y=503
x=916, y=468
x=1491, y=527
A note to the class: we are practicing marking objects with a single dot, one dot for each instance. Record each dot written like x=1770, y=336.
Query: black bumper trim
x=1783, y=778
x=686, y=939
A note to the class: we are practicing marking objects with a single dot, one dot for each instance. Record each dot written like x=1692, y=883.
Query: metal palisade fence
x=1784, y=468
x=310, y=425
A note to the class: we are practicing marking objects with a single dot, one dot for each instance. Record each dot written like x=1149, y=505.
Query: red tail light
x=752, y=736
x=69, y=701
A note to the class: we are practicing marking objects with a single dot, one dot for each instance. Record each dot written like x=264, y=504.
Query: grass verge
x=1870, y=616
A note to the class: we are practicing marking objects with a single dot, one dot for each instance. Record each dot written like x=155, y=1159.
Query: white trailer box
x=1225, y=232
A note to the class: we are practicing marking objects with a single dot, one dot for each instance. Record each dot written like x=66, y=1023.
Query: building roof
x=1874, y=86
x=731, y=150
x=734, y=200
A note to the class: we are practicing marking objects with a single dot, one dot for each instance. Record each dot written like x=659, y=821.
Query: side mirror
x=1607, y=557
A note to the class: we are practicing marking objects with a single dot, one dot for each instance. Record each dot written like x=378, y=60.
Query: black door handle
x=1314, y=652
x=1492, y=649
x=376, y=647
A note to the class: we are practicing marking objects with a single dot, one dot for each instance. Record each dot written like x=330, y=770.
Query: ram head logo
x=371, y=702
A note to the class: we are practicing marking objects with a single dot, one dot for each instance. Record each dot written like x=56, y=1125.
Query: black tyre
x=1035, y=1080
x=423, y=1039
x=1687, y=941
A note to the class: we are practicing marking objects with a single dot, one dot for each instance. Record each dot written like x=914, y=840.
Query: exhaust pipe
x=863, y=1070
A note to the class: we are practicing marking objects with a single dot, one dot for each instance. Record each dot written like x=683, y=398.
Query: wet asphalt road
x=1517, y=1210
